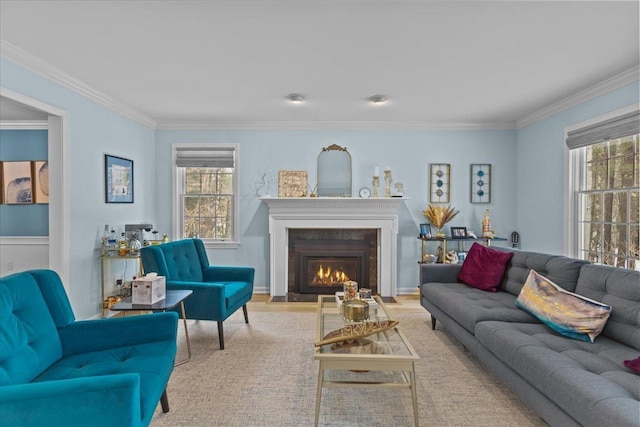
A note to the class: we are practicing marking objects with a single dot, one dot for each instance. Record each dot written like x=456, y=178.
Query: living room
x=460, y=103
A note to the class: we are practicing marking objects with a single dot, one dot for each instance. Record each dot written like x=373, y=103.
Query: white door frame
x=59, y=211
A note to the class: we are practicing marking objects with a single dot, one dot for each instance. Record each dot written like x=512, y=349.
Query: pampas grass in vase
x=438, y=216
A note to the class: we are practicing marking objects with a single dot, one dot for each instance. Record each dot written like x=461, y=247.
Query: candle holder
x=387, y=183
x=376, y=183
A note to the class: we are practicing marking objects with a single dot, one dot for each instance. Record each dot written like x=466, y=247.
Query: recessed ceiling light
x=295, y=98
x=378, y=99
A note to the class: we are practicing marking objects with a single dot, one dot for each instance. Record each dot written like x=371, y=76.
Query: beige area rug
x=266, y=376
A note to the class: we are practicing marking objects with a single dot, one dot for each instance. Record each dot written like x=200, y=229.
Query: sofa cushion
x=561, y=270
x=468, y=306
x=29, y=341
x=570, y=314
x=484, y=267
x=152, y=361
x=586, y=380
x=620, y=289
x=634, y=364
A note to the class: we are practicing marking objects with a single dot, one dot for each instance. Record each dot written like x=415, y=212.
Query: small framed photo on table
x=425, y=230
x=458, y=232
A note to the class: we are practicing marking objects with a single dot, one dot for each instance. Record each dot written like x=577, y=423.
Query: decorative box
x=148, y=290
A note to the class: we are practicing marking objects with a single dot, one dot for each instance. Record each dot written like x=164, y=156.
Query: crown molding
x=339, y=125
x=27, y=60
x=23, y=124
x=598, y=89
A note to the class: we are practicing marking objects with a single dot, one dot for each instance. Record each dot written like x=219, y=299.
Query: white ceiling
x=454, y=62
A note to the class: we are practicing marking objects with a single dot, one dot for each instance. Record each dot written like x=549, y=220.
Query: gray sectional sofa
x=566, y=381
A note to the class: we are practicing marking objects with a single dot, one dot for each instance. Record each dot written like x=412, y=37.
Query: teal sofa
x=218, y=291
x=56, y=371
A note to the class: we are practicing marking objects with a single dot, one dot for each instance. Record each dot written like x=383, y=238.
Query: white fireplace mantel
x=334, y=213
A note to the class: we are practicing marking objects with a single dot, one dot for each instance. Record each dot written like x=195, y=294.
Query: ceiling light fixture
x=378, y=99
x=295, y=98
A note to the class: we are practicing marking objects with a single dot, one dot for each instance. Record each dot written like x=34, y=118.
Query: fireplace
x=378, y=215
x=322, y=266
x=321, y=260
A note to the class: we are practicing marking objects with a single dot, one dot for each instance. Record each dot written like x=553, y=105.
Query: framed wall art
x=292, y=184
x=17, y=187
x=118, y=179
x=458, y=232
x=40, y=174
x=480, y=186
x=439, y=182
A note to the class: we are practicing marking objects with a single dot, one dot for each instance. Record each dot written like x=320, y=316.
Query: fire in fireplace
x=322, y=266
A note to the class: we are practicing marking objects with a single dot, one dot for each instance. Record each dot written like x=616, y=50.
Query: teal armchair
x=56, y=371
x=217, y=291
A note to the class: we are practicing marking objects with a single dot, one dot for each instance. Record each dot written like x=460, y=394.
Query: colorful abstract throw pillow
x=567, y=313
x=634, y=364
x=484, y=267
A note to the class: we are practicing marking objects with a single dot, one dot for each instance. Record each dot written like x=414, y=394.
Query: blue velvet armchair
x=55, y=371
x=217, y=291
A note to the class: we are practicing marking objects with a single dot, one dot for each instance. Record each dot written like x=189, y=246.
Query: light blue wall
x=407, y=153
x=94, y=131
x=541, y=168
x=24, y=220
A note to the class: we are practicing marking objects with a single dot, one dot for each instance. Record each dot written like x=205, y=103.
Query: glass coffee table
x=172, y=299
x=382, y=360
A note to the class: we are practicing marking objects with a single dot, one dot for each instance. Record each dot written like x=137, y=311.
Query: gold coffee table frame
x=399, y=357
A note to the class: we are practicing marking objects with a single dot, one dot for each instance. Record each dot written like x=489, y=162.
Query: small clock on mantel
x=365, y=192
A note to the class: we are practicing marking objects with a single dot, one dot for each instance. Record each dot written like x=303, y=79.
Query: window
x=206, y=182
x=607, y=187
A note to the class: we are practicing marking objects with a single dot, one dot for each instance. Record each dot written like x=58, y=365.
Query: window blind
x=617, y=127
x=205, y=157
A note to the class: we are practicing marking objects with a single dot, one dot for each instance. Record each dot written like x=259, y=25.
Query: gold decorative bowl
x=355, y=310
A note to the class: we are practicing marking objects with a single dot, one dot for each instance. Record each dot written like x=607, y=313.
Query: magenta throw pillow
x=484, y=267
x=634, y=364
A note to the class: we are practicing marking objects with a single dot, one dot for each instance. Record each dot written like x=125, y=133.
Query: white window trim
x=176, y=205
x=574, y=170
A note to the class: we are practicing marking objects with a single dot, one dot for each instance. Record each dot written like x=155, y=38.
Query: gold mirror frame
x=334, y=172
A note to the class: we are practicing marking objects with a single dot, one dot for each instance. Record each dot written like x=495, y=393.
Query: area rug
x=266, y=376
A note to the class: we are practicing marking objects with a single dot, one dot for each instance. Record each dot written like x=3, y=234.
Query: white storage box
x=148, y=290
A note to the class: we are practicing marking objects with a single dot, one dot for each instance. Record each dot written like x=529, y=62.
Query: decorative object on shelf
x=292, y=184
x=134, y=244
x=439, y=182
x=365, y=192
x=354, y=332
x=399, y=189
x=387, y=182
x=425, y=231
x=118, y=179
x=480, y=189
x=470, y=233
x=17, y=183
x=487, y=230
x=334, y=172
x=458, y=232
x=429, y=258
x=439, y=216
x=451, y=257
x=376, y=183
x=461, y=256
x=263, y=184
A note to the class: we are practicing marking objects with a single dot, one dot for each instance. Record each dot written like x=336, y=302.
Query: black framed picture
x=458, y=232
x=425, y=230
x=118, y=179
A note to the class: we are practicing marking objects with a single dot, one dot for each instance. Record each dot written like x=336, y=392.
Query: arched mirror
x=334, y=172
